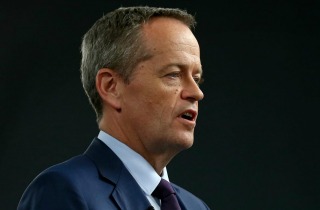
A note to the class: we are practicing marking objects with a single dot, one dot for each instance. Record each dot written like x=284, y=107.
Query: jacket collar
x=127, y=193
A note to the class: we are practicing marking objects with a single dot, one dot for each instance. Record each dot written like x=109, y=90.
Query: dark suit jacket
x=95, y=180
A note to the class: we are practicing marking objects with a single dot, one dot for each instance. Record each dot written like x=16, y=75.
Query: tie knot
x=163, y=189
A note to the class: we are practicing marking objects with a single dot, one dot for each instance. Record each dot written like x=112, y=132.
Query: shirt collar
x=145, y=175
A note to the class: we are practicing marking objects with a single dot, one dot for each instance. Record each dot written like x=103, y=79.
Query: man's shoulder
x=73, y=164
x=69, y=170
x=74, y=183
x=189, y=199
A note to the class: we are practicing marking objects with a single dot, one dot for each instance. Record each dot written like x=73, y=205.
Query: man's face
x=160, y=104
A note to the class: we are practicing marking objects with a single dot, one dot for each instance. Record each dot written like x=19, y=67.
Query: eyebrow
x=181, y=66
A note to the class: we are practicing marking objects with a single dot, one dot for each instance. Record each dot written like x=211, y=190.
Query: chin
x=185, y=142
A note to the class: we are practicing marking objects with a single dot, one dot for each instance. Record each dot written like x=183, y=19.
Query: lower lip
x=189, y=123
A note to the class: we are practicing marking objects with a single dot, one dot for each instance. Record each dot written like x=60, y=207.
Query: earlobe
x=107, y=87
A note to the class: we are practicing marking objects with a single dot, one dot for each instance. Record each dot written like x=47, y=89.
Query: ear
x=107, y=86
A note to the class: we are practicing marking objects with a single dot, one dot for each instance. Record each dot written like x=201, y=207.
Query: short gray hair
x=115, y=41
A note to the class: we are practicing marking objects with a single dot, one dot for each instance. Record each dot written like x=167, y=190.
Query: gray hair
x=115, y=41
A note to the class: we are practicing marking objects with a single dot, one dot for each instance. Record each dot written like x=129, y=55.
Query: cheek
x=166, y=103
x=166, y=98
x=156, y=101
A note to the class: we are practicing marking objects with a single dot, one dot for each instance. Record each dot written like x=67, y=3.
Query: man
x=141, y=70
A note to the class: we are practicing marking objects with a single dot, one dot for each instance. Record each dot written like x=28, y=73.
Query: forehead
x=170, y=40
x=168, y=32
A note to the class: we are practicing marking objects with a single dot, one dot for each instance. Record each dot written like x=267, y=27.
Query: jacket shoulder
x=189, y=200
x=67, y=185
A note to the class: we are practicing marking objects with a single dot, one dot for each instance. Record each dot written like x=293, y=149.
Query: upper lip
x=193, y=114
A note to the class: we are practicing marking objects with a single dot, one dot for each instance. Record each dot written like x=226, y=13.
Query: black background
x=257, y=136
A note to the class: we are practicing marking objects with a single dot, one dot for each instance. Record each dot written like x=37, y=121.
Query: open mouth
x=189, y=115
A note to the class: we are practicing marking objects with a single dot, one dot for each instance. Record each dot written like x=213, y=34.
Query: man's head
x=116, y=41
x=146, y=85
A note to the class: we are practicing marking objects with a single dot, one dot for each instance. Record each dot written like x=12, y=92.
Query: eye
x=174, y=74
x=198, y=80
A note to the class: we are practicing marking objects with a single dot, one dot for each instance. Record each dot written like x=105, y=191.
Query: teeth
x=188, y=114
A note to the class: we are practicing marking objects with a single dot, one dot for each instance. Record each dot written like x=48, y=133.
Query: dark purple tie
x=167, y=195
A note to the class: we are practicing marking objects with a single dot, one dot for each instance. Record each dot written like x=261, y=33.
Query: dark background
x=257, y=137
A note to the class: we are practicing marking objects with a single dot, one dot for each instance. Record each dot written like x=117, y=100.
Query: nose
x=191, y=91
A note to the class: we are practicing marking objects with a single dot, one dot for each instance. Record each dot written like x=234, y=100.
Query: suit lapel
x=127, y=193
x=180, y=198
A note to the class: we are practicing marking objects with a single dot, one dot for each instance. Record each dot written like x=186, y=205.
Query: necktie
x=167, y=195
